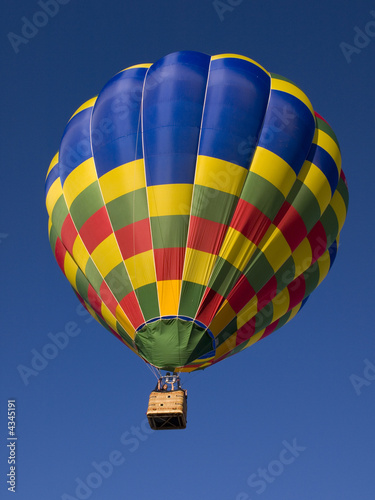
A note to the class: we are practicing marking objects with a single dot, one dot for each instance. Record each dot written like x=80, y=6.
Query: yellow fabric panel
x=54, y=193
x=324, y=263
x=222, y=318
x=88, y=104
x=169, y=199
x=247, y=312
x=141, y=269
x=70, y=270
x=108, y=317
x=49, y=226
x=220, y=175
x=226, y=346
x=254, y=338
x=122, y=180
x=194, y=365
x=78, y=180
x=200, y=362
x=124, y=322
x=182, y=369
x=237, y=249
x=106, y=255
x=54, y=160
x=198, y=266
x=338, y=205
x=280, y=304
x=317, y=182
x=328, y=144
x=290, y=88
x=92, y=312
x=80, y=253
x=302, y=257
x=274, y=169
x=169, y=296
x=294, y=311
x=143, y=65
x=275, y=247
x=237, y=56
x=207, y=364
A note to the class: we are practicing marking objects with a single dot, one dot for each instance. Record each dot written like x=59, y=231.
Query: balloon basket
x=167, y=410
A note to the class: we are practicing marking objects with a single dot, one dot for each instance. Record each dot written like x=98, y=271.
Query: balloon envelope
x=194, y=205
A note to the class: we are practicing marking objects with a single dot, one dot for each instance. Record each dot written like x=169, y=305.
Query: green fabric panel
x=305, y=203
x=118, y=282
x=203, y=344
x=224, y=276
x=128, y=208
x=103, y=323
x=170, y=343
x=343, y=190
x=93, y=275
x=53, y=238
x=169, y=231
x=124, y=335
x=311, y=275
x=262, y=194
x=237, y=349
x=82, y=285
x=99, y=319
x=148, y=300
x=213, y=204
x=259, y=271
x=59, y=214
x=86, y=204
x=264, y=317
x=227, y=331
x=322, y=125
x=285, y=274
x=283, y=320
x=279, y=77
x=191, y=295
x=330, y=224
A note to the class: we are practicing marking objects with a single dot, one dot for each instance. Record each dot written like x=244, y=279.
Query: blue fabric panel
x=332, y=252
x=325, y=163
x=199, y=60
x=304, y=302
x=167, y=164
x=236, y=101
x=75, y=146
x=116, y=121
x=288, y=129
x=52, y=176
x=172, y=113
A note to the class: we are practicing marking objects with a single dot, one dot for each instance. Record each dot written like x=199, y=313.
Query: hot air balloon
x=194, y=205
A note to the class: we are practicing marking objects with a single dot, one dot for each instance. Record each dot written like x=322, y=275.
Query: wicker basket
x=167, y=410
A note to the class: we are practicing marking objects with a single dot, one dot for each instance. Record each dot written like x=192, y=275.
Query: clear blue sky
x=282, y=420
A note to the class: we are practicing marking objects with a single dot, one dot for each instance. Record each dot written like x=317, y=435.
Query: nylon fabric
x=194, y=205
